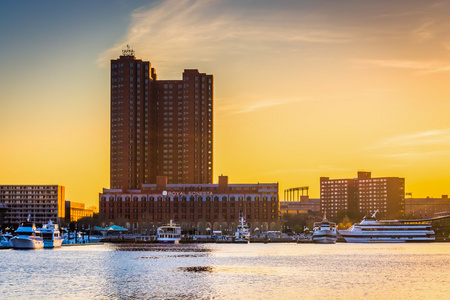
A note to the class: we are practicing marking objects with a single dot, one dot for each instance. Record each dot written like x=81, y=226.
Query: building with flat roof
x=423, y=208
x=76, y=211
x=305, y=205
x=337, y=195
x=200, y=206
x=3, y=210
x=159, y=127
x=41, y=202
x=364, y=194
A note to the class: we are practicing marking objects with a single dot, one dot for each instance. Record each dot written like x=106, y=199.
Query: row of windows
x=191, y=198
x=160, y=217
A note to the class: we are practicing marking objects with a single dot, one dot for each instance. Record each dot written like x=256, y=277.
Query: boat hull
x=241, y=241
x=25, y=243
x=326, y=236
x=324, y=239
x=56, y=243
x=388, y=236
x=168, y=241
x=373, y=239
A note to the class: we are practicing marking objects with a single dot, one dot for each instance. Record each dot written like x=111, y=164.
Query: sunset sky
x=303, y=89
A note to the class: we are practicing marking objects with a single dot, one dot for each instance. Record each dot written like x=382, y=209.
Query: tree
x=297, y=228
x=345, y=223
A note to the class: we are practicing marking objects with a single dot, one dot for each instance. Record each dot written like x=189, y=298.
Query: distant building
x=304, y=206
x=364, y=195
x=41, y=202
x=423, y=208
x=3, y=210
x=385, y=194
x=76, y=211
x=159, y=127
x=200, y=206
x=337, y=195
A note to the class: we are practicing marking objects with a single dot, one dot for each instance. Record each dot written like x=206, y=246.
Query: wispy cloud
x=237, y=106
x=431, y=137
x=424, y=31
x=426, y=144
x=184, y=30
x=319, y=169
x=420, y=67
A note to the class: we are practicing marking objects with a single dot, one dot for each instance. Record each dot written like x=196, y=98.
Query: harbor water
x=228, y=271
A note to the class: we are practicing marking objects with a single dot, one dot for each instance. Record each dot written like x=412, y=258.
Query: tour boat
x=170, y=233
x=242, y=235
x=27, y=237
x=324, y=232
x=371, y=230
x=51, y=235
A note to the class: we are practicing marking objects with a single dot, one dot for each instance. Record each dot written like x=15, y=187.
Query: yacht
x=242, y=235
x=51, y=235
x=324, y=232
x=170, y=233
x=5, y=240
x=27, y=237
x=371, y=230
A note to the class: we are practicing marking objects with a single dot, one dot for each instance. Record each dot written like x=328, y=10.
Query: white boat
x=371, y=230
x=27, y=237
x=170, y=233
x=51, y=235
x=324, y=232
x=5, y=240
x=242, y=235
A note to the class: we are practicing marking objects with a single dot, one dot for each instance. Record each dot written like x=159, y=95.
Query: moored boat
x=371, y=230
x=170, y=233
x=27, y=237
x=242, y=234
x=51, y=235
x=324, y=232
x=5, y=240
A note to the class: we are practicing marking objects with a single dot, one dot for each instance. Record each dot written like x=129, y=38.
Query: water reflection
x=198, y=269
x=213, y=271
x=162, y=247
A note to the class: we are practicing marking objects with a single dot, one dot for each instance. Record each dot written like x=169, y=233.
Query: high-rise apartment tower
x=159, y=127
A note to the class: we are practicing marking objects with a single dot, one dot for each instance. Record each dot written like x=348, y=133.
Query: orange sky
x=302, y=90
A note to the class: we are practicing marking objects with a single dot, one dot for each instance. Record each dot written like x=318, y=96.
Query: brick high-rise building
x=337, y=195
x=385, y=194
x=363, y=195
x=159, y=127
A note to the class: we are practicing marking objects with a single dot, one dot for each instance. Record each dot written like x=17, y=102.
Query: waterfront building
x=76, y=211
x=199, y=207
x=41, y=202
x=159, y=127
x=306, y=205
x=422, y=208
x=337, y=195
x=3, y=210
x=364, y=195
x=385, y=194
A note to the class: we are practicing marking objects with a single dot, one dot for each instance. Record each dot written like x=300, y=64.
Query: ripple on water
x=162, y=248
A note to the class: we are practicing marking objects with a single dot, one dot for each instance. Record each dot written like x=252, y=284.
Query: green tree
x=297, y=228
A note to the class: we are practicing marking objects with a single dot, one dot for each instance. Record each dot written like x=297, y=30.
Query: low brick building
x=422, y=208
x=197, y=207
